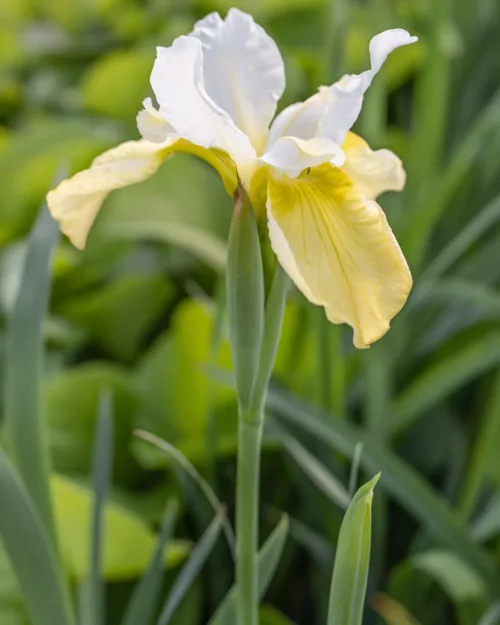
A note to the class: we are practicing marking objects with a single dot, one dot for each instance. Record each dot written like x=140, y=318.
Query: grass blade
x=31, y=552
x=442, y=378
x=317, y=473
x=352, y=561
x=93, y=598
x=484, y=453
x=146, y=594
x=421, y=223
x=191, y=569
x=204, y=486
x=460, y=292
x=400, y=480
x=481, y=223
x=492, y=616
x=460, y=583
x=269, y=557
x=24, y=353
x=430, y=114
x=487, y=525
x=356, y=460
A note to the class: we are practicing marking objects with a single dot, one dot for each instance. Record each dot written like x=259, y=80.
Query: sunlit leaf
x=116, y=83
x=73, y=503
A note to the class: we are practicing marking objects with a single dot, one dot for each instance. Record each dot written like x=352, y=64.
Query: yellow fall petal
x=373, y=171
x=76, y=202
x=339, y=250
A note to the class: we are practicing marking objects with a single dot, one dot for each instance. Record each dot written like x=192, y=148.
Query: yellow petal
x=76, y=202
x=339, y=250
x=374, y=172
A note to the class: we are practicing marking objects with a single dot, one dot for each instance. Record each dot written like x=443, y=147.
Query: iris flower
x=314, y=180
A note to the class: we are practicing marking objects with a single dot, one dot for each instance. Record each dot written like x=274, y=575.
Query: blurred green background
x=140, y=312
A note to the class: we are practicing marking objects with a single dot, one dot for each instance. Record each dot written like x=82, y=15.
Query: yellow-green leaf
x=128, y=543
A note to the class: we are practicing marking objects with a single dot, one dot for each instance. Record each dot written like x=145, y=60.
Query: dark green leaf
x=31, y=552
x=24, y=419
x=400, y=480
x=190, y=570
x=93, y=591
x=190, y=469
x=143, y=603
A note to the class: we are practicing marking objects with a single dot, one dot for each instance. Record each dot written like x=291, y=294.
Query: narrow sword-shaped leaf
x=190, y=469
x=352, y=560
x=23, y=416
x=191, y=569
x=400, y=480
x=31, y=552
x=92, y=596
x=492, y=616
x=318, y=473
x=143, y=603
x=269, y=557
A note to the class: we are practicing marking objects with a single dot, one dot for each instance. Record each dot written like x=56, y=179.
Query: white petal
x=76, y=201
x=151, y=124
x=243, y=71
x=291, y=156
x=346, y=96
x=177, y=80
x=384, y=43
x=300, y=120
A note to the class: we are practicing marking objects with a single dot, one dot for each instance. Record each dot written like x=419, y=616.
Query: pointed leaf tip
x=352, y=561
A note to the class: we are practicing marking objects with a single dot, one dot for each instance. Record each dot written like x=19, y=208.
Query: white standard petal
x=346, y=96
x=177, y=81
x=291, y=156
x=243, y=71
x=151, y=124
x=300, y=120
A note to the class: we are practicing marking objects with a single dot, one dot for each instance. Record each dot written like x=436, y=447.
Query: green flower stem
x=249, y=449
x=254, y=330
x=247, y=516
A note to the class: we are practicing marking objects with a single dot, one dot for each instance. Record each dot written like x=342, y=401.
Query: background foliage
x=140, y=313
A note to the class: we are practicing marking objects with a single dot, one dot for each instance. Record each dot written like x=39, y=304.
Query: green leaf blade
x=143, y=601
x=31, y=552
x=318, y=473
x=190, y=570
x=196, y=476
x=269, y=557
x=25, y=427
x=400, y=480
x=350, y=574
x=93, y=595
